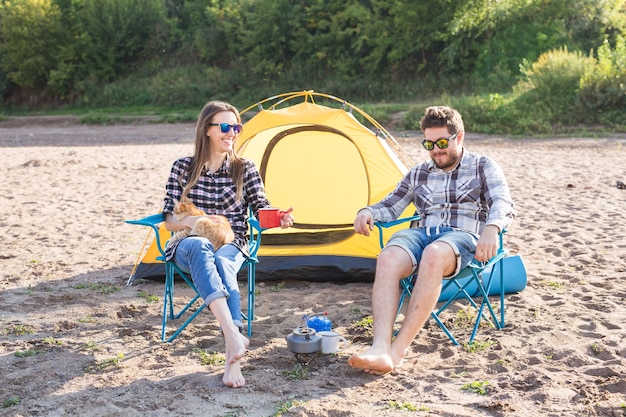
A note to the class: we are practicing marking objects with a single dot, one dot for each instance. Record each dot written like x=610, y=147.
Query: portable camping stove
x=304, y=343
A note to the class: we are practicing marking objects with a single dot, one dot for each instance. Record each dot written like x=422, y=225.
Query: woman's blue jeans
x=213, y=273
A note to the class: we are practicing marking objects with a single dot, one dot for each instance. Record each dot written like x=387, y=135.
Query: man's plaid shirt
x=469, y=197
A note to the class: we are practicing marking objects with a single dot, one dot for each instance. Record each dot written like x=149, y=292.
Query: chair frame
x=471, y=275
x=171, y=270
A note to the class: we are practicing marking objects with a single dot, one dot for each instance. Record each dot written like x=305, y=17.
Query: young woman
x=217, y=181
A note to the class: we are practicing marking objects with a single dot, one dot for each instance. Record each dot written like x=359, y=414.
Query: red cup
x=270, y=217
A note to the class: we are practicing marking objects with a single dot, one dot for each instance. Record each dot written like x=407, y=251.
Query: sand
x=74, y=340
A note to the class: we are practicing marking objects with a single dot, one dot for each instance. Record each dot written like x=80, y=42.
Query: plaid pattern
x=215, y=193
x=469, y=197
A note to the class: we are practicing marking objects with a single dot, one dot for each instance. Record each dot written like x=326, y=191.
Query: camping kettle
x=304, y=340
x=320, y=322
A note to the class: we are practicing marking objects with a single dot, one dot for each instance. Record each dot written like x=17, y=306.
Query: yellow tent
x=326, y=164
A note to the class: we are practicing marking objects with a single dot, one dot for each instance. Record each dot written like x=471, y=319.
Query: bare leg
x=236, y=344
x=438, y=260
x=393, y=264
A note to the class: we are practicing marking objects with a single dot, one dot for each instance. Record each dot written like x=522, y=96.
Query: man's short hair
x=442, y=116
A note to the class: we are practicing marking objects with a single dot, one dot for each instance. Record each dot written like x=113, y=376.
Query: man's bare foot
x=235, y=350
x=372, y=361
x=397, y=357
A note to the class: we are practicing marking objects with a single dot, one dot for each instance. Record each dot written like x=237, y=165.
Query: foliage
x=296, y=372
x=561, y=91
x=490, y=39
x=603, y=87
x=116, y=32
x=404, y=406
x=32, y=35
x=11, y=401
x=210, y=358
x=179, y=53
x=98, y=366
x=554, y=80
x=477, y=387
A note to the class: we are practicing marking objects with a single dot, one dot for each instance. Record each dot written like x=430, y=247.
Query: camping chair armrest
x=152, y=221
x=380, y=225
x=501, y=253
x=255, y=232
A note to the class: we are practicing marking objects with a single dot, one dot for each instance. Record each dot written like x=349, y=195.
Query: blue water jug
x=320, y=322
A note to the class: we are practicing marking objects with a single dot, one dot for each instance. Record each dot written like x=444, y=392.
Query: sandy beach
x=76, y=341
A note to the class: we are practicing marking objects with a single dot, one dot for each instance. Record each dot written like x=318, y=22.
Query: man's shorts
x=414, y=240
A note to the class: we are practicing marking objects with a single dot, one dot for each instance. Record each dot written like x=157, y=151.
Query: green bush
x=603, y=87
x=116, y=33
x=31, y=35
x=555, y=77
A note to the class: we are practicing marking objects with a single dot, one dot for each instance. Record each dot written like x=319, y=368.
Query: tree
x=32, y=34
x=116, y=32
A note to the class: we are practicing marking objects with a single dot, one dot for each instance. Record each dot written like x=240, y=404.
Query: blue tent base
x=344, y=269
x=152, y=271
x=321, y=268
x=514, y=279
x=279, y=268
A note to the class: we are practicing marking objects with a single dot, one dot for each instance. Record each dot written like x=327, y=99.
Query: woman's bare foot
x=372, y=361
x=235, y=350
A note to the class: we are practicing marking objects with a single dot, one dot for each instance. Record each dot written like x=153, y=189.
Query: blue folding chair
x=477, y=280
x=171, y=270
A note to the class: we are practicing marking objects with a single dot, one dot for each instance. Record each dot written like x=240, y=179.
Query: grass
x=210, y=358
x=28, y=290
x=477, y=387
x=10, y=402
x=554, y=284
x=91, y=345
x=483, y=113
x=17, y=330
x=99, y=287
x=478, y=346
x=51, y=341
x=356, y=310
x=105, y=118
x=596, y=348
x=148, y=297
x=286, y=405
x=105, y=364
x=364, y=325
x=29, y=352
x=405, y=406
x=87, y=319
x=296, y=373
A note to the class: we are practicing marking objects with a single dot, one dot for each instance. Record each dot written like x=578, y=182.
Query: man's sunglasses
x=225, y=127
x=442, y=143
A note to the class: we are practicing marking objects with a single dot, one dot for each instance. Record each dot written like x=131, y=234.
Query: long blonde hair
x=202, y=149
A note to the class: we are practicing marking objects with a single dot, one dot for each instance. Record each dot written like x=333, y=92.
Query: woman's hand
x=286, y=219
x=174, y=225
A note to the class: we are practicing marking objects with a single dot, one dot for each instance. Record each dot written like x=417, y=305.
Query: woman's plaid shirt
x=215, y=193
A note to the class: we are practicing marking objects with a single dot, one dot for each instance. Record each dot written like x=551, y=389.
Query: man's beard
x=451, y=159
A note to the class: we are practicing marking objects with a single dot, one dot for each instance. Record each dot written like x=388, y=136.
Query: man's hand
x=488, y=243
x=364, y=222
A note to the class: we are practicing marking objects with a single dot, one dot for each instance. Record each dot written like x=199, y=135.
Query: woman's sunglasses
x=442, y=143
x=225, y=127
